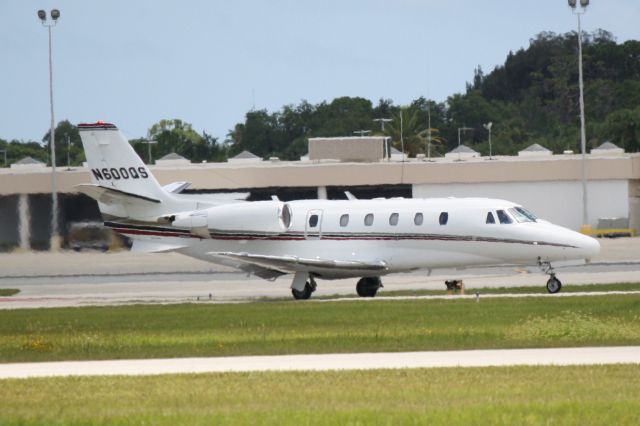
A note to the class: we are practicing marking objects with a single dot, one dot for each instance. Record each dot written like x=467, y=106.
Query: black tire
x=554, y=285
x=304, y=294
x=368, y=287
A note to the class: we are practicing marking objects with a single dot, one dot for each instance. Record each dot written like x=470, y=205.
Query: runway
x=325, y=362
x=91, y=278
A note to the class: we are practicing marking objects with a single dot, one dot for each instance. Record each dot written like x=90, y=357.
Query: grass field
x=540, y=289
x=9, y=291
x=327, y=327
x=503, y=395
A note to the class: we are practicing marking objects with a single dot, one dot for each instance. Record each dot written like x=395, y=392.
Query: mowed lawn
x=316, y=327
x=503, y=395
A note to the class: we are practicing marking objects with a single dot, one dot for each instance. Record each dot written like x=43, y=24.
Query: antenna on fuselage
x=350, y=196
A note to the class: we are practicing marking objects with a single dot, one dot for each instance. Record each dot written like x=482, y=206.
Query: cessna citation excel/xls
x=311, y=239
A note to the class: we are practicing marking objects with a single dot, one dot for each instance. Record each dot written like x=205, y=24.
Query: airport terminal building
x=549, y=185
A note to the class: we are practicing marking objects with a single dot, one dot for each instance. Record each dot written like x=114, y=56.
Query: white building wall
x=559, y=202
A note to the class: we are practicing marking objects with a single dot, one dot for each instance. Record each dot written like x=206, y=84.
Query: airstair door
x=313, y=227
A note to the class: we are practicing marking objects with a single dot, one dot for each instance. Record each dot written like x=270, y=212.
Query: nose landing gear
x=554, y=285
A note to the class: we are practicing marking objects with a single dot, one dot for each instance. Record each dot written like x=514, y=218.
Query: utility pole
x=488, y=127
x=68, y=152
x=462, y=129
x=382, y=121
x=149, y=142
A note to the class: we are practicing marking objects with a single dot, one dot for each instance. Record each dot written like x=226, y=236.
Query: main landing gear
x=305, y=293
x=554, y=285
x=304, y=285
x=368, y=286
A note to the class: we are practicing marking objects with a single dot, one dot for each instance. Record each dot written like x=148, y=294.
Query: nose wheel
x=554, y=285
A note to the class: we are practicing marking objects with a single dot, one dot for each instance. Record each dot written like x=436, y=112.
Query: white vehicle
x=312, y=239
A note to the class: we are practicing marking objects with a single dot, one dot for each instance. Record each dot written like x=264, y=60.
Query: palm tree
x=404, y=130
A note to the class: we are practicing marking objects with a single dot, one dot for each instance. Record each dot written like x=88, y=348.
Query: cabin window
x=504, y=217
x=393, y=219
x=368, y=219
x=490, y=218
x=522, y=215
x=313, y=221
x=418, y=218
x=444, y=218
x=344, y=220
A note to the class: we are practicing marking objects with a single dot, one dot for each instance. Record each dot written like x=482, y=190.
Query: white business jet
x=318, y=239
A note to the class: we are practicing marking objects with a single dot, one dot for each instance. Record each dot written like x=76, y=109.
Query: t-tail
x=122, y=184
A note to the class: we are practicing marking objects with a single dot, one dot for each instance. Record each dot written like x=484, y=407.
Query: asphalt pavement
x=91, y=278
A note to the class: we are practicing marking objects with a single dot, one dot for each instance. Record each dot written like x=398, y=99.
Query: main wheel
x=368, y=287
x=553, y=285
x=304, y=294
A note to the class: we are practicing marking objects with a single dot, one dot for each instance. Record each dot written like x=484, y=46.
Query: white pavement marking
x=359, y=361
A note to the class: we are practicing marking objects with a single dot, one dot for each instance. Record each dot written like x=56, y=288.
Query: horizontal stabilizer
x=113, y=196
x=291, y=264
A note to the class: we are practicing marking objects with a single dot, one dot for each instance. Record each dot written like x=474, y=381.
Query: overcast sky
x=208, y=62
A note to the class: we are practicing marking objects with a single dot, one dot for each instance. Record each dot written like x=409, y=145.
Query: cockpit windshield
x=522, y=215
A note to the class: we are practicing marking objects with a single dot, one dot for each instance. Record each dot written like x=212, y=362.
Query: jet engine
x=261, y=216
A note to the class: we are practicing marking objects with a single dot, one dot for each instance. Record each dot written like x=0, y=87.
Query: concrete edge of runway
x=328, y=362
x=44, y=302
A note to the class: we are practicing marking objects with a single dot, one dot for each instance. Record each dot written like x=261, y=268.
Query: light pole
x=462, y=129
x=583, y=136
x=488, y=127
x=55, y=238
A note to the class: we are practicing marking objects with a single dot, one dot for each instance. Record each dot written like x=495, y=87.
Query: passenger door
x=313, y=225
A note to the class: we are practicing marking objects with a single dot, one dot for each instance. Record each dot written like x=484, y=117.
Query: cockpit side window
x=490, y=218
x=522, y=215
x=503, y=217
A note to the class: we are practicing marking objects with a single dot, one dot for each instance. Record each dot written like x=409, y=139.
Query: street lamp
x=462, y=129
x=488, y=127
x=583, y=137
x=55, y=238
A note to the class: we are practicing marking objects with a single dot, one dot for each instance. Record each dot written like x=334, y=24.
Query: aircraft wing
x=112, y=196
x=279, y=265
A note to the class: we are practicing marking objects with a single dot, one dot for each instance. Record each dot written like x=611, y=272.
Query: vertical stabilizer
x=114, y=164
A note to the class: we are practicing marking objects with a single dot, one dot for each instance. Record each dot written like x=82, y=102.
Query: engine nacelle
x=261, y=216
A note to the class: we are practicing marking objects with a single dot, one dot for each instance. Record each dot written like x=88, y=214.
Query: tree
x=178, y=136
x=68, y=145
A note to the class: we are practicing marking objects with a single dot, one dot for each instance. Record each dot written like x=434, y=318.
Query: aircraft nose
x=589, y=247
